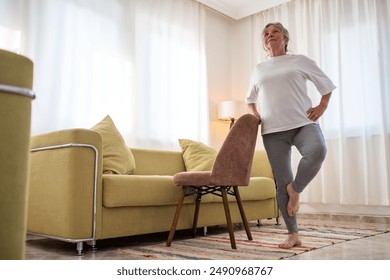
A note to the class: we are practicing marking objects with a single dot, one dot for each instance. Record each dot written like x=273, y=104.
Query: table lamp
x=231, y=110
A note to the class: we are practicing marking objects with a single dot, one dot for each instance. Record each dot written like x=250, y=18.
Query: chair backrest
x=233, y=163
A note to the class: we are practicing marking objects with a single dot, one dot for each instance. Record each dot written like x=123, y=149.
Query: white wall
x=241, y=57
x=219, y=74
x=230, y=60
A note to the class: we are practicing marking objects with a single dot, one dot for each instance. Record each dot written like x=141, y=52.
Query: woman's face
x=274, y=39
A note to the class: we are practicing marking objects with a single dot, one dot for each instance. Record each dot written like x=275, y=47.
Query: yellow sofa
x=72, y=199
x=16, y=79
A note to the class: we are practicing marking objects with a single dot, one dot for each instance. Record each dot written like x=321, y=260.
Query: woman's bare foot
x=291, y=241
x=293, y=201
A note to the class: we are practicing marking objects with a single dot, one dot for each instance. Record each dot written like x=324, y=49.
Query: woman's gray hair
x=282, y=28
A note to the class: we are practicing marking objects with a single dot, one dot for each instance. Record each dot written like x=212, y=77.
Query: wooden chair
x=231, y=169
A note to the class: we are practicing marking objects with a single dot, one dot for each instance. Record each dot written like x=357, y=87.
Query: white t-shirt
x=280, y=84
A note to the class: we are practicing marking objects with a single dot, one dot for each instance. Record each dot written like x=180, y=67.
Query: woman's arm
x=253, y=109
x=316, y=112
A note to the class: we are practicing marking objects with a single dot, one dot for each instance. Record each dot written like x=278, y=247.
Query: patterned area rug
x=216, y=244
x=213, y=246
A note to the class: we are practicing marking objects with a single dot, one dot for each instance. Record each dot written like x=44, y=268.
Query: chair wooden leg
x=228, y=217
x=196, y=214
x=242, y=212
x=176, y=217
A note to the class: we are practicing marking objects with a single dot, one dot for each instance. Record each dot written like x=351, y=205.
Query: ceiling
x=238, y=9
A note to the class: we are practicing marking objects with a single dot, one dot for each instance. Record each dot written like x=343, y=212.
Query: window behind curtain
x=142, y=62
x=169, y=55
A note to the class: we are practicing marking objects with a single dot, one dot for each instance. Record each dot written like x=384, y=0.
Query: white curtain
x=350, y=41
x=142, y=62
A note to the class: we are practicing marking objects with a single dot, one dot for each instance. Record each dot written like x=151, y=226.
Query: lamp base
x=231, y=122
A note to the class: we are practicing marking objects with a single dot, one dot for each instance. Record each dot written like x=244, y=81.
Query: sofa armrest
x=65, y=191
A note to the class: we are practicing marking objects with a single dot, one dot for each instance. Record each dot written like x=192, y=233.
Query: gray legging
x=311, y=144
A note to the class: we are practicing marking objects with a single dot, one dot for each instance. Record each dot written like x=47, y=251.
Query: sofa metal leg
x=79, y=248
x=93, y=245
x=205, y=230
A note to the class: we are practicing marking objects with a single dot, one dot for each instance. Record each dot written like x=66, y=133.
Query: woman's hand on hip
x=316, y=112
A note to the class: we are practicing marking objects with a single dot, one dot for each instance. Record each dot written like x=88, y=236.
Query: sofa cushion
x=157, y=162
x=141, y=190
x=117, y=157
x=150, y=190
x=261, y=166
x=197, y=156
x=258, y=188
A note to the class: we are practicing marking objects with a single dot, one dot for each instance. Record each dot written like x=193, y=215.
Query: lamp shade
x=231, y=109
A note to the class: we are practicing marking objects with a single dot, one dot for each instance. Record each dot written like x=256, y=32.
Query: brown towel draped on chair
x=231, y=169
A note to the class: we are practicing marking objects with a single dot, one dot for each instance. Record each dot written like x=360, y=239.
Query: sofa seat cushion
x=259, y=188
x=155, y=190
x=142, y=190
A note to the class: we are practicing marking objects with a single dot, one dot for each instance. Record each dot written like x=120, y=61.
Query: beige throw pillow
x=197, y=156
x=117, y=157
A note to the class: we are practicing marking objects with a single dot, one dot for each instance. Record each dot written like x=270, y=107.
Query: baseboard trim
x=352, y=213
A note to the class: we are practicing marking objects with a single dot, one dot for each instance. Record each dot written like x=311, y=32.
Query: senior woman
x=289, y=119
